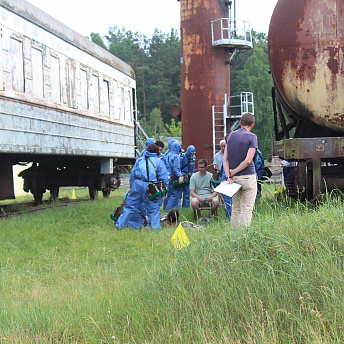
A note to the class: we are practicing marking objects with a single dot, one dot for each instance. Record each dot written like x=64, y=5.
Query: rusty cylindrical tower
x=205, y=73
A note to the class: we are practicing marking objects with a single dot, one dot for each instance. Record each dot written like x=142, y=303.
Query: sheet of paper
x=228, y=189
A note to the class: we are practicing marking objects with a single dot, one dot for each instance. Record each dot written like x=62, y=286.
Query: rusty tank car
x=306, y=54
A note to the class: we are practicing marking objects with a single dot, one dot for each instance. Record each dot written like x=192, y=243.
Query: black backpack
x=157, y=189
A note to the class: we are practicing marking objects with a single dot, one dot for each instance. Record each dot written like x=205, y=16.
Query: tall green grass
x=68, y=276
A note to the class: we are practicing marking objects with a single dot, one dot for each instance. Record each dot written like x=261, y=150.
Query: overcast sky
x=86, y=16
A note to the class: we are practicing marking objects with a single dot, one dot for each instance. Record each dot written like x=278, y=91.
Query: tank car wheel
x=37, y=190
x=54, y=193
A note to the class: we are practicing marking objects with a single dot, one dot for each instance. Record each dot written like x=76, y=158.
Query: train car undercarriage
x=48, y=173
x=320, y=165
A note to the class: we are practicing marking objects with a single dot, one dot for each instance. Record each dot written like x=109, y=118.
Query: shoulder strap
x=156, y=172
x=147, y=169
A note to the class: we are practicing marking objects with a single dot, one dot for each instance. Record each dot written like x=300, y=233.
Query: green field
x=68, y=276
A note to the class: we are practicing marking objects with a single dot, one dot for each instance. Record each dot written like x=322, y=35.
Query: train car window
x=134, y=103
x=83, y=89
x=131, y=107
x=116, y=100
x=17, y=65
x=106, y=97
x=122, y=105
x=95, y=93
x=55, y=79
x=127, y=106
x=37, y=72
x=71, y=91
x=111, y=98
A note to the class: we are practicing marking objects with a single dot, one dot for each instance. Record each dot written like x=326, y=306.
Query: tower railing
x=231, y=33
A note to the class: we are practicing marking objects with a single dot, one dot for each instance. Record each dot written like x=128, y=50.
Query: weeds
x=67, y=276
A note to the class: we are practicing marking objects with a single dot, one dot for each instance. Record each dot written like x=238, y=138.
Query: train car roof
x=36, y=16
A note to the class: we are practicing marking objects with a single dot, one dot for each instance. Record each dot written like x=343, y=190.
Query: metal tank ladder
x=240, y=104
x=219, y=118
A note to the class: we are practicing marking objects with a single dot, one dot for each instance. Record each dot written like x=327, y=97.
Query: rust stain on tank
x=305, y=44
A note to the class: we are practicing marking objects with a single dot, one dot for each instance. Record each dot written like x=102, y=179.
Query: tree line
x=156, y=63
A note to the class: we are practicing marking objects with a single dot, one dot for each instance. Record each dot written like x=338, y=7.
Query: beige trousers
x=243, y=201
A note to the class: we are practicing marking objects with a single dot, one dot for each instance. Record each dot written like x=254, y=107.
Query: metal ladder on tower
x=219, y=117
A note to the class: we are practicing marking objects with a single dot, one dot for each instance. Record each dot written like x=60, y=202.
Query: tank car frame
x=67, y=106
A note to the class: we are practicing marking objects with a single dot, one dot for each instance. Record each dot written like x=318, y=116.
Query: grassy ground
x=68, y=276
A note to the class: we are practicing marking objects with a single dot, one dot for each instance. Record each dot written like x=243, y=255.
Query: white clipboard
x=228, y=189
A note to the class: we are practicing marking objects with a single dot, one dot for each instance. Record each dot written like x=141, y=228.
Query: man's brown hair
x=247, y=119
x=203, y=161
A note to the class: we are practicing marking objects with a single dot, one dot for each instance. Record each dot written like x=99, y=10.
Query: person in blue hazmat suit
x=259, y=165
x=149, y=141
x=187, y=165
x=162, y=156
x=147, y=169
x=139, y=218
x=168, y=155
x=169, y=145
x=173, y=200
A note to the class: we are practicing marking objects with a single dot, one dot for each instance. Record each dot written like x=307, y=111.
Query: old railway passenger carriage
x=66, y=105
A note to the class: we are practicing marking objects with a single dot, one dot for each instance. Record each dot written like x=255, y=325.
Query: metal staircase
x=140, y=139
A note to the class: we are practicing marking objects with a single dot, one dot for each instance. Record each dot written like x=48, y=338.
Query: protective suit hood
x=170, y=143
x=150, y=155
x=149, y=141
x=190, y=149
x=175, y=148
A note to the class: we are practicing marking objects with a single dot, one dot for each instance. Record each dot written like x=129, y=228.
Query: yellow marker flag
x=73, y=195
x=279, y=190
x=179, y=238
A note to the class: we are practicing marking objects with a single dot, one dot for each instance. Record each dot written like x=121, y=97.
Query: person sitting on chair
x=202, y=192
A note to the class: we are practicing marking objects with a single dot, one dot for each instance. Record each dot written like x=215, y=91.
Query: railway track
x=15, y=209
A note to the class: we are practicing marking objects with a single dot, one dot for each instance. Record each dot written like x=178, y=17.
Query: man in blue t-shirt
x=239, y=168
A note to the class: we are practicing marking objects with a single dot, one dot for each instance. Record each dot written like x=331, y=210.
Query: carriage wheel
x=37, y=190
x=92, y=189
x=54, y=193
x=106, y=193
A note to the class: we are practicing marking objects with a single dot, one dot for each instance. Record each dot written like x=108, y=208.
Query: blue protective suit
x=168, y=154
x=137, y=220
x=169, y=145
x=187, y=165
x=259, y=165
x=226, y=199
x=149, y=141
x=139, y=179
x=173, y=200
x=163, y=158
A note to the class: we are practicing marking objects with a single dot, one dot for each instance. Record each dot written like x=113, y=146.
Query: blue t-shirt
x=218, y=159
x=238, y=144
